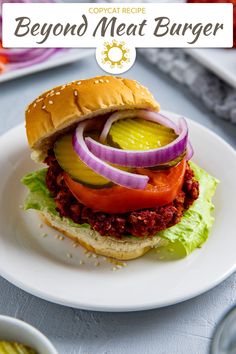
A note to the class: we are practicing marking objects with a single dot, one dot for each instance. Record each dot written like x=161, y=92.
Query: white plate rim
x=122, y=308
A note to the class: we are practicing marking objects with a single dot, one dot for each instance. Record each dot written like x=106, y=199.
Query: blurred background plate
x=61, y=58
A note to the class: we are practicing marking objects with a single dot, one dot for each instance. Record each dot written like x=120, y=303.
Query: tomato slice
x=162, y=189
x=3, y=58
x=3, y=61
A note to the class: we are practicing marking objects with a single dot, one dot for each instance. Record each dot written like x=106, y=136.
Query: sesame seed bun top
x=59, y=110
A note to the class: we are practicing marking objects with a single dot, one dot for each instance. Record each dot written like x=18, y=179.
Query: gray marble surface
x=183, y=328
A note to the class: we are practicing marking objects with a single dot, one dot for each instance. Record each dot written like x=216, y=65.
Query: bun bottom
x=124, y=249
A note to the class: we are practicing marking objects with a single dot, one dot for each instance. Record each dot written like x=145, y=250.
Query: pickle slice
x=15, y=348
x=75, y=167
x=139, y=134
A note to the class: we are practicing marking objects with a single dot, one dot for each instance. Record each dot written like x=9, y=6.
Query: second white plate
x=61, y=58
x=51, y=268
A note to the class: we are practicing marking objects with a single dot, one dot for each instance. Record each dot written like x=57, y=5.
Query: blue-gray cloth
x=216, y=95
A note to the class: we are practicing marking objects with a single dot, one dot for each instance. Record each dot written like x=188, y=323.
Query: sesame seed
x=114, y=269
x=75, y=93
x=97, y=264
x=51, y=94
x=61, y=238
x=137, y=85
x=119, y=266
x=125, y=264
x=96, y=81
x=75, y=245
x=69, y=84
x=58, y=93
x=47, y=94
x=101, y=80
x=62, y=88
x=95, y=256
x=142, y=93
x=43, y=107
x=81, y=262
x=78, y=82
x=89, y=255
x=52, y=91
x=40, y=225
x=69, y=255
x=104, y=258
x=39, y=99
x=107, y=80
x=34, y=105
x=28, y=110
x=50, y=102
x=44, y=234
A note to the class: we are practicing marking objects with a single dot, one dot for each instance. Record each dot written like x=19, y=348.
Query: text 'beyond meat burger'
x=118, y=177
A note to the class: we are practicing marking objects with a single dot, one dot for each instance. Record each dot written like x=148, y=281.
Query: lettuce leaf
x=191, y=232
x=40, y=198
x=193, y=229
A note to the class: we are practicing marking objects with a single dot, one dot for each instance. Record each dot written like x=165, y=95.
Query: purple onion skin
x=190, y=151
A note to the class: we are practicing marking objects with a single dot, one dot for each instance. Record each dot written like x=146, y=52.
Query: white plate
x=220, y=61
x=58, y=59
x=40, y=265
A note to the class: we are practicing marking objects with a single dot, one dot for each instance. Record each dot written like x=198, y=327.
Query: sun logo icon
x=115, y=57
x=115, y=54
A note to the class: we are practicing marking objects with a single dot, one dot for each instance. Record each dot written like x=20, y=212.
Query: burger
x=118, y=177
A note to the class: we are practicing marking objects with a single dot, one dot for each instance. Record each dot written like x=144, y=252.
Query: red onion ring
x=148, y=158
x=189, y=151
x=44, y=56
x=0, y=27
x=148, y=115
x=123, y=178
x=17, y=55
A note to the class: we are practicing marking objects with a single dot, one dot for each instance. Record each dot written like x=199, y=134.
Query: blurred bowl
x=14, y=330
x=224, y=338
